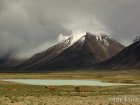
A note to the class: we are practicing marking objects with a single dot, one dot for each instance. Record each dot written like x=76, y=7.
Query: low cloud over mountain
x=31, y=26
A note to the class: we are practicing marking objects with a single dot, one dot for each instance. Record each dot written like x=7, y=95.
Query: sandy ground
x=73, y=100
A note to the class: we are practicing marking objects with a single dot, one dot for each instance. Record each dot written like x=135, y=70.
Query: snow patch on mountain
x=105, y=42
x=67, y=41
x=103, y=37
x=82, y=40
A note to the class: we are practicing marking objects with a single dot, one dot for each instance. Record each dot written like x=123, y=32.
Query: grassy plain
x=20, y=94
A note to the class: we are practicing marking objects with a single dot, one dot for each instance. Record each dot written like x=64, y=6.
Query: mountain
x=87, y=50
x=47, y=55
x=137, y=39
x=128, y=58
x=8, y=64
x=3, y=60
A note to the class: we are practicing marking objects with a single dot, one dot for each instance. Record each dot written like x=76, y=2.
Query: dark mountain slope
x=129, y=58
x=45, y=56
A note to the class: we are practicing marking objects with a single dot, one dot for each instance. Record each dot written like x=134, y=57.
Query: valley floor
x=19, y=94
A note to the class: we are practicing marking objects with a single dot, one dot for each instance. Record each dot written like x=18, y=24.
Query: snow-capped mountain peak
x=101, y=37
x=83, y=51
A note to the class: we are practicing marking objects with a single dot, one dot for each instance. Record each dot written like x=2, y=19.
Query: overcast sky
x=30, y=26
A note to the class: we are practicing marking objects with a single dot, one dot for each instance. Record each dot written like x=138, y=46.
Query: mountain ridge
x=87, y=50
x=128, y=58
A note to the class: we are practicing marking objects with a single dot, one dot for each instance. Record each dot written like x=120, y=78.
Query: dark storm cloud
x=30, y=26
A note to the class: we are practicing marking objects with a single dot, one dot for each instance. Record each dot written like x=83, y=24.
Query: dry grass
x=17, y=94
x=40, y=95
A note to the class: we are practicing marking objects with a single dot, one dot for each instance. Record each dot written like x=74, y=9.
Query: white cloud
x=62, y=37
